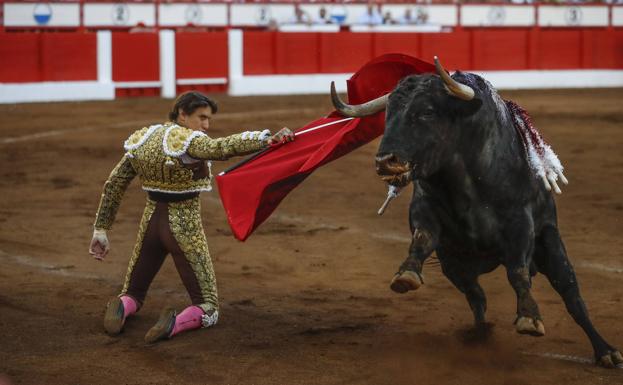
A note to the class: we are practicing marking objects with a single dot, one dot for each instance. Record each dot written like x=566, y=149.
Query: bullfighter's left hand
x=99, y=246
x=284, y=135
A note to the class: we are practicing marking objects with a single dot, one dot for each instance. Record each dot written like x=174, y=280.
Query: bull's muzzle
x=392, y=170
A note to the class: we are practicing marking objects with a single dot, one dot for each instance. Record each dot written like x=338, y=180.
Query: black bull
x=476, y=202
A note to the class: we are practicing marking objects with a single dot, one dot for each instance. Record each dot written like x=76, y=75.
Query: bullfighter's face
x=199, y=120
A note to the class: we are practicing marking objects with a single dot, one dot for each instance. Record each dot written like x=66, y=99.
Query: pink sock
x=189, y=318
x=129, y=306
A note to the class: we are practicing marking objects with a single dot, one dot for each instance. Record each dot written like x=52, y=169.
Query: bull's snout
x=383, y=161
x=389, y=164
x=392, y=170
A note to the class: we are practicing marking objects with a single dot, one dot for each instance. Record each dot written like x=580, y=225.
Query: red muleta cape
x=251, y=192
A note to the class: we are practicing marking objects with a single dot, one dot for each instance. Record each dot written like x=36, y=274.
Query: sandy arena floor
x=306, y=299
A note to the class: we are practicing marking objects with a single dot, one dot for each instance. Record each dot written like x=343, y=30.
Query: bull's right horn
x=359, y=110
x=455, y=88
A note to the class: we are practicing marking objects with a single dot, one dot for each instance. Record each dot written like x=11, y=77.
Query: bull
x=476, y=201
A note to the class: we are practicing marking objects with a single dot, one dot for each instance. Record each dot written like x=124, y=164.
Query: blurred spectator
x=141, y=27
x=407, y=17
x=387, y=18
x=421, y=16
x=300, y=16
x=371, y=16
x=323, y=17
x=272, y=25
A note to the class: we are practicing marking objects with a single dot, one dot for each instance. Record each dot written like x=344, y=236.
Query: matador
x=172, y=162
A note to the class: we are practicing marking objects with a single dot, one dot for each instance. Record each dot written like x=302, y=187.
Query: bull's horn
x=457, y=89
x=359, y=110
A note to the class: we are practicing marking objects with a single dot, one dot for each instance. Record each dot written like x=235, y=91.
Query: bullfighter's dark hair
x=189, y=102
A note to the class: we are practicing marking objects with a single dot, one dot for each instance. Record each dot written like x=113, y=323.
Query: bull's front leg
x=424, y=239
x=520, y=246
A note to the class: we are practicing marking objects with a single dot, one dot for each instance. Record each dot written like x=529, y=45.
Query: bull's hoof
x=611, y=360
x=532, y=326
x=405, y=281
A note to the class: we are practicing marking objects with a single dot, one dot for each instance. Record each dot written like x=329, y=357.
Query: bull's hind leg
x=529, y=319
x=466, y=280
x=551, y=259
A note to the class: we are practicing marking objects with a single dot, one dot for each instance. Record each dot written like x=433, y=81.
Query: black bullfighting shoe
x=113, y=318
x=163, y=328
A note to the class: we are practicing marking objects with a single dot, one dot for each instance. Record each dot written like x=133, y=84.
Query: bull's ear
x=467, y=108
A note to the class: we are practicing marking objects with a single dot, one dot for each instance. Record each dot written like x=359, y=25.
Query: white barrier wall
x=260, y=14
x=119, y=14
x=446, y=15
x=41, y=15
x=617, y=16
x=497, y=15
x=573, y=16
x=110, y=14
x=181, y=14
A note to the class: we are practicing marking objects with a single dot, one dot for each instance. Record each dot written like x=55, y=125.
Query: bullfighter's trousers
x=175, y=228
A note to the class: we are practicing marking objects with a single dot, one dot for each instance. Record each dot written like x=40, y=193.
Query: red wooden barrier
x=258, y=53
x=20, y=58
x=501, y=49
x=69, y=56
x=36, y=57
x=201, y=55
x=296, y=53
x=344, y=52
x=454, y=49
x=268, y=53
x=407, y=43
x=559, y=49
x=135, y=57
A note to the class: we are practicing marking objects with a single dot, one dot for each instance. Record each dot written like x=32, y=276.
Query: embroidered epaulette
x=177, y=139
x=139, y=137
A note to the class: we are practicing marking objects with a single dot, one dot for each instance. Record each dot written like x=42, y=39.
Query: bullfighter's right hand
x=99, y=244
x=283, y=135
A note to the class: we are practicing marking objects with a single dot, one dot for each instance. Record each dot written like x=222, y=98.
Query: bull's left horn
x=358, y=110
x=457, y=89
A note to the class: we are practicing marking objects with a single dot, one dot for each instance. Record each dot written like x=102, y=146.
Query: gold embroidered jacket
x=167, y=157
